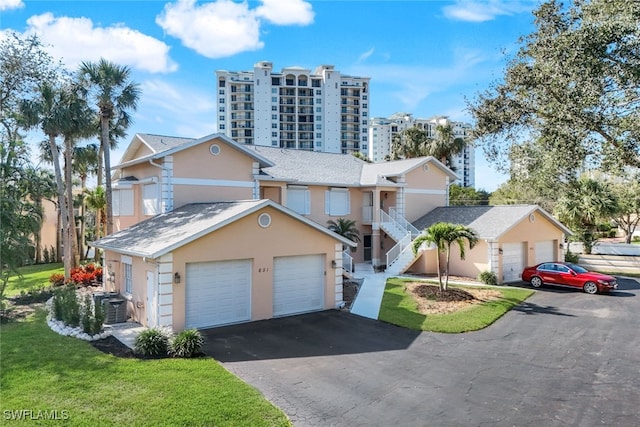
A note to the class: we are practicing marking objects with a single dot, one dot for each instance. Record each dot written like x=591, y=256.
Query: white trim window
x=150, y=199
x=299, y=199
x=337, y=202
x=122, y=200
x=128, y=275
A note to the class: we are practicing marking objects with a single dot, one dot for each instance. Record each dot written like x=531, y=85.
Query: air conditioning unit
x=115, y=310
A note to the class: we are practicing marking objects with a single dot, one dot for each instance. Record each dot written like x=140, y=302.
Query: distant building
x=382, y=130
x=322, y=110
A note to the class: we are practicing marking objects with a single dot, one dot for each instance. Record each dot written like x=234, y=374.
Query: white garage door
x=545, y=251
x=512, y=261
x=218, y=293
x=298, y=284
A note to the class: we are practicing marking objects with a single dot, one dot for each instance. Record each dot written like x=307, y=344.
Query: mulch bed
x=433, y=293
x=349, y=292
x=111, y=345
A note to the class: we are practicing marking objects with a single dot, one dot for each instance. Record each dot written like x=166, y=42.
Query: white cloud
x=77, y=39
x=10, y=4
x=224, y=28
x=363, y=57
x=410, y=85
x=215, y=30
x=286, y=12
x=485, y=10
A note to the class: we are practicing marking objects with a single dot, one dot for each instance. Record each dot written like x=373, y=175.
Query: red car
x=568, y=274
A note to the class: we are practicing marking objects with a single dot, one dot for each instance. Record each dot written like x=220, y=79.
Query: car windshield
x=577, y=268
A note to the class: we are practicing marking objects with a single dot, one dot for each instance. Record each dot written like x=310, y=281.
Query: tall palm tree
x=47, y=112
x=444, y=235
x=110, y=87
x=41, y=186
x=409, y=143
x=445, y=145
x=85, y=163
x=346, y=228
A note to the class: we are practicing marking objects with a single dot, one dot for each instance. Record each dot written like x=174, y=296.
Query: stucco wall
x=424, y=191
x=539, y=230
x=245, y=239
x=136, y=301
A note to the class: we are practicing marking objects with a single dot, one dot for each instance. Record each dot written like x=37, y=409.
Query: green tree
x=85, y=163
x=346, y=228
x=627, y=214
x=581, y=209
x=445, y=145
x=573, y=88
x=41, y=185
x=110, y=88
x=96, y=200
x=444, y=235
x=467, y=196
x=410, y=143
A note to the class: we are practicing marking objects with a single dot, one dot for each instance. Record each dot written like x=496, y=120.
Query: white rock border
x=59, y=327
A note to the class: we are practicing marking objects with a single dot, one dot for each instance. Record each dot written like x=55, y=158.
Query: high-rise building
x=383, y=129
x=295, y=108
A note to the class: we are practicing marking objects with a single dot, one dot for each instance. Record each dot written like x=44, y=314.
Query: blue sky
x=424, y=57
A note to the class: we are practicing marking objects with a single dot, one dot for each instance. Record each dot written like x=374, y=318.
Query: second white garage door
x=298, y=284
x=512, y=261
x=545, y=251
x=218, y=293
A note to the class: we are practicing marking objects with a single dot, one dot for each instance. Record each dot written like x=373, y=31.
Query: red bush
x=56, y=279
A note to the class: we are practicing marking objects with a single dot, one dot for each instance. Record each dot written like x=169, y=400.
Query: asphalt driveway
x=563, y=358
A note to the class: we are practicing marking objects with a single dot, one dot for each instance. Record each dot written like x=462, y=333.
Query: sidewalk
x=369, y=297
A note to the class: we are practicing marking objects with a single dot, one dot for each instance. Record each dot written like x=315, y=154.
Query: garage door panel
x=298, y=284
x=545, y=251
x=218, y=293
x=512, y=261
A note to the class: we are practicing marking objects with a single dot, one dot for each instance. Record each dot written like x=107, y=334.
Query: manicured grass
x=401, y=309
x=32, y=276
x=44, y=371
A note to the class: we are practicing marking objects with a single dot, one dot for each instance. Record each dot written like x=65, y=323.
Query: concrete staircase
x=401, y=256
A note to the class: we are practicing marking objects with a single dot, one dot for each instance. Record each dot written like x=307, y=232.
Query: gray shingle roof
x=165, y=232
x=311, y=167
x=159, y=143
x=490, y=222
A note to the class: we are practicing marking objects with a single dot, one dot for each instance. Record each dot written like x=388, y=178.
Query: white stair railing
x=394, y=252
x=391, y=226
x=402, y=221
x=347, y=261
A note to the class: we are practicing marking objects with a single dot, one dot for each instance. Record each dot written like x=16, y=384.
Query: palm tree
x=41, y=186
x=445, y=145
x=109, y=86
x=409, y=143
x=85, y=163
x=586, y=203
x=96, y=200
x=47, y=111
x=346, y=228
x=444, y=235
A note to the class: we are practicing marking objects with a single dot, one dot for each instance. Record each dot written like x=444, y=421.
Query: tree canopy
x=572, y=91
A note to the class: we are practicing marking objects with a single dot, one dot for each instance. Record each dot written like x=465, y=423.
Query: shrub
x=488, y=278
x=92, y=316
x=187, y=343
x=571, y=257
x=152, y=342
x=56, y=279
x=46, y=258
x=635, y=239
x=66, y=306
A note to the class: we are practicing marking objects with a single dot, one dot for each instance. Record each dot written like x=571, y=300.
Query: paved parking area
x=563, y=358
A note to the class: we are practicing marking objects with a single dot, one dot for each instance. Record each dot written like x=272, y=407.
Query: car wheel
x=590, y=288
x=536, y=282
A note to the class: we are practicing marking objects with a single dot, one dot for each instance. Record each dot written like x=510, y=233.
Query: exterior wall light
x=176, y=277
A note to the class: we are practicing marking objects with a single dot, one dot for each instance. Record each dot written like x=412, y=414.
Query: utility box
x=115, y=310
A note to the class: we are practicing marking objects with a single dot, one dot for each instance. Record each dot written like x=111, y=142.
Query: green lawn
x=43, y=371
x=32, y=276
x=400, y=309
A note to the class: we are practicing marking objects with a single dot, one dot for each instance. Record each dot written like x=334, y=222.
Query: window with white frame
x=122, y=200
x=128, y=275
x=150, y=199
x=299, y=199
x=337, y=202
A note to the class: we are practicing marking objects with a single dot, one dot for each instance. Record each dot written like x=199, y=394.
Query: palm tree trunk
x=62, y=205
x=68, y=178
x=446, y=280
x=38, y=236
x=104, y=125
x=439, y=272
x=83, y=185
